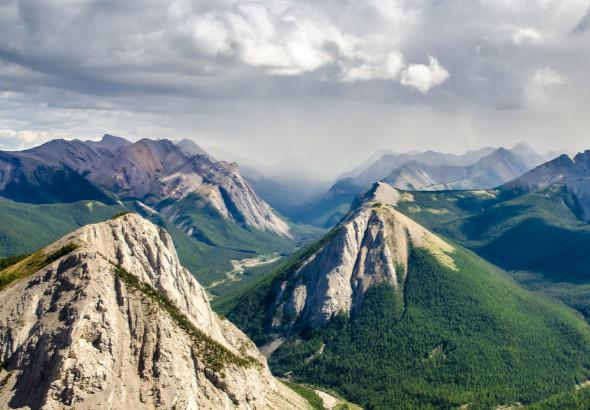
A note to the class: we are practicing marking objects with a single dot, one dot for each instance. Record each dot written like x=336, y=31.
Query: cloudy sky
x=320, y=84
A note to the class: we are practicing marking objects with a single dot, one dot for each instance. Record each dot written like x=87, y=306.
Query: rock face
x=119, y=323
x=151, y=171
x=371, y=246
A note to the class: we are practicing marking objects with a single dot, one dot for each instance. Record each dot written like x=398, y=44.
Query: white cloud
x=531, y=36
x=547, y=76
x=211, y=35
x=265, y=37
x=295, y=39
x=424, y=77
x=386, y=68
x=21, y=139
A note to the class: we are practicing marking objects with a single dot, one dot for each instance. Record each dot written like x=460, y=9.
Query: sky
x=314, y=86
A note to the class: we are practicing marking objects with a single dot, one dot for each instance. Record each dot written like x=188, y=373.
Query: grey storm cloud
x=303, y=77
x=584, y=24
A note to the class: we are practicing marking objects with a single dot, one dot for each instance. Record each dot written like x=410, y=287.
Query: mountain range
x=480, y=169
x=450, y=282
x=147, y=170
x=394, y=316
x=212, y=212
x=535, y=226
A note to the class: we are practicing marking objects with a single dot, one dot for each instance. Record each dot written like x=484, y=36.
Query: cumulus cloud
x=295, y=40
x=424, y=77
x=547, y=76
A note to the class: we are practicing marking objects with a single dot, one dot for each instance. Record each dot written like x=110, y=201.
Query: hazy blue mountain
x=419, y=171
x=190, y=148
x=489, y=172
x=528, y=155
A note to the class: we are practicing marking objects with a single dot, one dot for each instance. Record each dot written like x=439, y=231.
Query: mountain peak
x=113, y=307
x=383, y=193
x=523, y=145
x=190, y=148
x=380, y=192
x=583, y=159
x=371, y=246
x=502, y=151
x=110, y=139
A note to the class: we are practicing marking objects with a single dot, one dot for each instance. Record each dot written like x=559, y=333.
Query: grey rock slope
x=118, y=323
x=151, y=171
x=369, y=247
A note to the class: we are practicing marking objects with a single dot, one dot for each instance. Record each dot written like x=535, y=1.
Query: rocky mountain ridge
x=151, y=171
x=573, y=173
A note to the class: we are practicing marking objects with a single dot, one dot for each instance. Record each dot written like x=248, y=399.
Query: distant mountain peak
x=190, y=148
x=523, y=145
x=110, y=138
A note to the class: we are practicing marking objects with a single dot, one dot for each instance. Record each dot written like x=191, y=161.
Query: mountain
x=535, y=226
x=147, y=170
x=571, y=173
x=367, y=163
x=109, y=143
x=420, y=171
x=387, y=164
x=392, y=315
x=489, y=172
x=52, y=172
x=108, y=316
x=528, y=155
x=190, y=148
x=213, y=214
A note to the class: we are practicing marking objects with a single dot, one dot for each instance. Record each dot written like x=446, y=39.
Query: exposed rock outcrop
x=118, y=323
x=371, y=246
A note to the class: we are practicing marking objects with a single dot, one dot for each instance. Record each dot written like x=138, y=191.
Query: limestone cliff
x=110, y=319
x=371, y=246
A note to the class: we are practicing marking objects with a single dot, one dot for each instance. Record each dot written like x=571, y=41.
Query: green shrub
x=31, y=264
